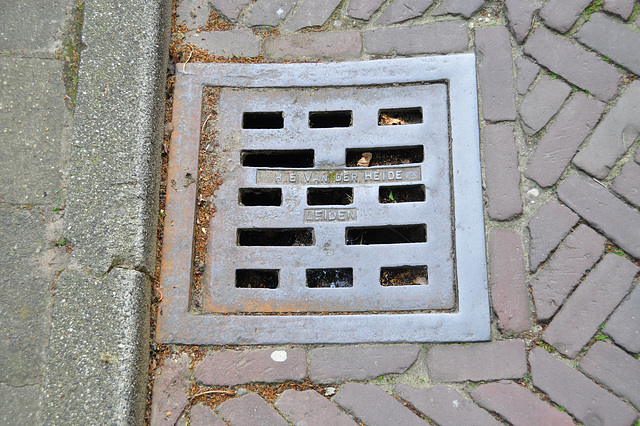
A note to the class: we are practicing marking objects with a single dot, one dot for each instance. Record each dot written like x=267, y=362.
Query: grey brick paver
x=614, y=368
x=622, y=8
x=502, y=178
x=249, y=410
x=311, y=13
x=336, y=364
x=518, y=406
x=562, y=139
x=479, y=361
x=627, y=183
x=230, y=8
x=580, y=396
x=192, y=13
x=465, y=8
x=547, y=228
x=363, y=9
x=542, y=103
x=562, y=14
x=509, y=295
x=590, y=304
x=170, y=391
x=315, y=45
x=578, y=66
x=445, y=406
x=269, y=12
x=230, y=368
x=402, y=10
x=240, y=42
x=565, y=255
x=624, y=324
x=201, y=415
x=520, y=15
x=579, y=252
x=309, y=408
x=612, y=39
x=495, y=73
x=526, y=73
x=374, y=407
x=436, y=37
x=613, y=136
x=606, y=212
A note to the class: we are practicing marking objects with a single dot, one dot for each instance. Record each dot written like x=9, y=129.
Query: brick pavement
x=559, y=118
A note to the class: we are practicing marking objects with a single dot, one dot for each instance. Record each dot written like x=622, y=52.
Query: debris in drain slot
x=386, y=120
x=365, y=160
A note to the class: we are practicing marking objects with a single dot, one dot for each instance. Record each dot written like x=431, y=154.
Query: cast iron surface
x=345, y=88
x=330, y=250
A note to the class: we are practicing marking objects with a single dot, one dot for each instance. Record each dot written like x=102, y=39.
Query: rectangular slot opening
x=291, y=158
x=275, y=237
x=403, y=275
x=388, y=156
x=263, y=120
x=328, y=119
x=330, y=278
x=399, y=116
x=260, y=196
x=329, y=196
x=392, y=234
x=401, y=194
x=257, y=278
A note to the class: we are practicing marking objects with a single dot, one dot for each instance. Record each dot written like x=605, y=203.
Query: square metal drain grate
x=349, y=208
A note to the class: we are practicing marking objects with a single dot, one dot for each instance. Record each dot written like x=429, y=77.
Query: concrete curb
x=97, y=366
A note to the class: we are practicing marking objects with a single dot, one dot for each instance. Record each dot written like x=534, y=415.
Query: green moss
x=547, y=347
x=70, y=51
x=615, y=251
x=595, y=6
x=61, y=242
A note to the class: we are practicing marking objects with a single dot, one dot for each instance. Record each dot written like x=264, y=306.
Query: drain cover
x=350, y=208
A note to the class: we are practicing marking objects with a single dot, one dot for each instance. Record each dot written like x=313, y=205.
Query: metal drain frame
x=177, y=324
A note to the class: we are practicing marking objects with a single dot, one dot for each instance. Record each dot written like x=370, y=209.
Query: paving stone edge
x=96, y=371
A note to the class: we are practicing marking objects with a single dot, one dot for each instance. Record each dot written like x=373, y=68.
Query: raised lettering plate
x=310, y=243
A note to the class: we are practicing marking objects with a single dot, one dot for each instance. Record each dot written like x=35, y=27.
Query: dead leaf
x=386, y=120
x=365, y=160
x=421, y=281
x=222, y=391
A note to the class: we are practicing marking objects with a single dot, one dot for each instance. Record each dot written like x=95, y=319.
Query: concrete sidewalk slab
x=34, y=130
x=34, y=123
x=33, y=27
x=25, y=310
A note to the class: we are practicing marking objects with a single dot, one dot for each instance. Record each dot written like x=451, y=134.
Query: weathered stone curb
x=97, y=366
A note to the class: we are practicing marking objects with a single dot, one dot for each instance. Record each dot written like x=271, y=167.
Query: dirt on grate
x=385, y=156
x=404, y=275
